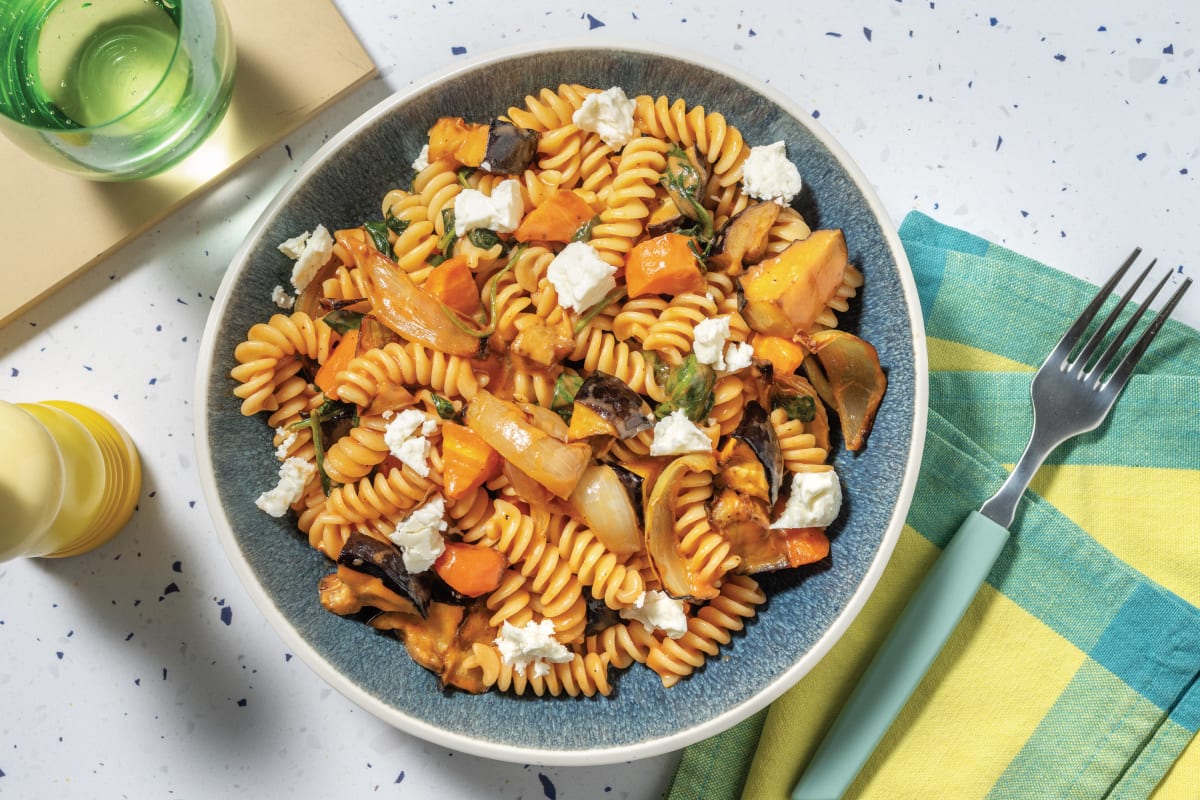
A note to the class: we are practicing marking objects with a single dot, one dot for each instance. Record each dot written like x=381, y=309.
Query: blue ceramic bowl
x=808, y=609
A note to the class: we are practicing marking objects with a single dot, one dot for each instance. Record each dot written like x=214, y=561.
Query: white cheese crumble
x=814, y=502
x=419, y=535
x=738, y=355
x=532, y=643
x=768, y=175
x=310, y=252
x=608, y=113
x=402, y=439
x=658, y=611
x=675, y=434
x=294, y=475
x=580, y=276
x=709, y=340
x=501, y=211
x=422, y=159
x=286, y=440
x=281, y=298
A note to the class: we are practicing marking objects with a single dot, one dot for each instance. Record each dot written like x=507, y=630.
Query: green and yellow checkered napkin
x=1074, y=672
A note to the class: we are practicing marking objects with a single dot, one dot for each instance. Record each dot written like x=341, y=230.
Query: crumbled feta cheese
x=608, y=113
x=658, y=611
x=532, y=643
x=675, y=434
x=738, y=355
x=580, y=276
x=286, y=440
x=310, y=251
x=294, y=475
x=422, y=159
x=814, y=502
x=501, y=211
x=281, y=298
x=768, y=175
x=402, y=440
x=709, y=341
x=419, y=535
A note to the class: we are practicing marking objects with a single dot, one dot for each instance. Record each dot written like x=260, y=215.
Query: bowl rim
x=513, y=753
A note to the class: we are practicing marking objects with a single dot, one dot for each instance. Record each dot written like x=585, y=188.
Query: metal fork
x=1072, y=392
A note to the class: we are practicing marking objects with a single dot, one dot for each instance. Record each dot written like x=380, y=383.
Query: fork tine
x=1069, y=339
x=1090, y=347
x=1102, y=363
x=1120, y=375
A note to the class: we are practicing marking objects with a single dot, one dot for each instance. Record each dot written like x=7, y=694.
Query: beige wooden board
x=295, y=57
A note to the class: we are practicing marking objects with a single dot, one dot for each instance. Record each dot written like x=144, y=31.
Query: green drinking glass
x=113, y=90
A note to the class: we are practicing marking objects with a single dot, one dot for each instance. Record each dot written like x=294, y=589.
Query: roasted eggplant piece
x=664, y=219
x=757, y=433
x=744, y=239
x=611, y=399
x=384, y=560
x=349, y=591
x=845, y=370
x=635, y=486
x=510, y=149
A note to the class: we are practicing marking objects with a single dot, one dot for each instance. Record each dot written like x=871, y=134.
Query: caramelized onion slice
x=850, y=371
x=601, y=500
x=554, y=464
x=671, y=568
x=402, y=306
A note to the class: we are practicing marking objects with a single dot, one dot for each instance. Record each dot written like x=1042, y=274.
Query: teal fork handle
x=917, y=637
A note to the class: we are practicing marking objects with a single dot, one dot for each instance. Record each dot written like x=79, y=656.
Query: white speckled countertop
x=1067, y=131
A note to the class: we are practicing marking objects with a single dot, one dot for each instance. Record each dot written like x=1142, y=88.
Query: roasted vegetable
x=601, y=500
x=557, y=219
x=688, y=386
x=785, y=355
x=755, y=431
x=553, y=464
x=469, y=569
x=685, y=180
x=785, y=294
x=850, y=368
x=341, y=356
x=670, y=567
x=664, y=219
x=467, y=460
x=408, y=310
x=543, y=344
x=612, y=400
x=666, y=264
x=510, y=149
x=456, y=139
x=384, y=560
x=744, y=238
x=348, y=591
x=452, y=284
x=802, y=545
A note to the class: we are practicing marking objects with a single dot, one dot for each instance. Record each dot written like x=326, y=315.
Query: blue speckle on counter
x=129, y=636
x=867, y=33
x=288, y=149
x=999, y=141
x=1141, y=156
x=171, y=588
x=752, y=32
x=1059, y=57
x=458, y=50
x=400, y=777
x=834, y=34
x=548, y=786
x=1162, y=80
x=1102, y=29
x=180, y=300
x=241, y=703
x=153, y=381
x=177, y=566
x=164, y=673
x=191, y=503
x=137, y=681
x=14, y=373
x=993, y=21
x=88, y=368
x=59, y=653
x=1169, y=50
x=1183, y=171
x=227, y=615
x=816, y=114
x=594, y=23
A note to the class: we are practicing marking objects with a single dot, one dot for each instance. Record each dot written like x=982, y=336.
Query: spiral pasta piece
x=598, y=567
x=266, y=351
x=358, y=452
x=584, y=674
x=623, y=644
x=719, y=143
x=709, y=627
x=549, y=109
x=799, y=447
x=707, y=549
x=408, y=364
x=625, y=209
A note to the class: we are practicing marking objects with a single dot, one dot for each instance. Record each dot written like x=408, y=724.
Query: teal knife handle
x=903, y=659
